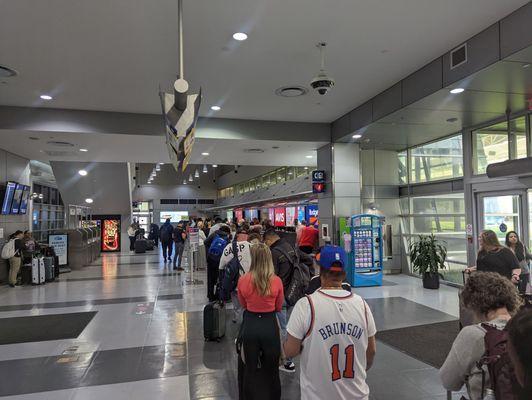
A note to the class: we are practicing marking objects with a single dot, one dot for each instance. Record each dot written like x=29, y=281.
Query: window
x=281, y=175
x=403, y=169
x=494, y=143
x=444, y=216
x=437, y=160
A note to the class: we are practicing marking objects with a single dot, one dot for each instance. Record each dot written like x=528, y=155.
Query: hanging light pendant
x=184, y=181
x=190, y=178
x=196, y=174
x=205, y=170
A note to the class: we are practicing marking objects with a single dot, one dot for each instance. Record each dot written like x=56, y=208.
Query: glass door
x=501, y=213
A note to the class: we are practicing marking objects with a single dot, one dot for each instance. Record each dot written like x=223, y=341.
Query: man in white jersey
x=335, y=333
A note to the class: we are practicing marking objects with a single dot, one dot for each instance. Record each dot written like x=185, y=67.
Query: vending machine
x=366, y=255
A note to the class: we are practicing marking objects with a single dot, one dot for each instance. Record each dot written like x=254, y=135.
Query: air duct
x=520, y=167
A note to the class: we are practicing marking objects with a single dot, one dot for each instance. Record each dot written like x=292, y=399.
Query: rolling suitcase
x=140, y=246
x=214, y=321
x=49, y=269
x=37, y=271
x=25, y=274
x=150, y=245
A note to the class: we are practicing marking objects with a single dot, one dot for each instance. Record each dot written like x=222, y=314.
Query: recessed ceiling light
x=357, y=136
x=82, y=172
x=205, y=154
x=45, y=97
x=456, y=90
x=89, y=200
x=215, y=165
x=216, y=108
x=308, y=156
x=184, y=181
x=240, y=36
x=306, y=168
x=83, y=150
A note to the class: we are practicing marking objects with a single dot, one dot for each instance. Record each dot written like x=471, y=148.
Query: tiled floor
x=146, y=339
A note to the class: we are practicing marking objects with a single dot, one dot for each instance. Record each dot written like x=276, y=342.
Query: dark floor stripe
x=126, y=263
x=105, y=278
x=82, y=303
x=105, y=367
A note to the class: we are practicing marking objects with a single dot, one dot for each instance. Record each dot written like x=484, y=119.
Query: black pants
x=132, y=240
x=258, y=374
x=306, y=249
x=212, y=277
x=167, y=249
x=179, y=248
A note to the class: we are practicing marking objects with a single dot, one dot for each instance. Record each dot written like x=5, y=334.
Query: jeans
x=282, y=317
x=167, y=250
x=179, y=247
x=237, y=308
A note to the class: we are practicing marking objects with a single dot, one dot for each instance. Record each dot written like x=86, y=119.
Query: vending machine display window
x=366, y=254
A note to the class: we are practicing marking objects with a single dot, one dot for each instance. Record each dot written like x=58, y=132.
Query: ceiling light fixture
x=89, y=200
x=216, y=108
x=215, y=165
x=83, y=150
x=205, y=154
x=308, y=156
x=456, y=90
x=196, y=173
x=45, y=97
x=158, y=168
x=306, y=168
x=82, y=172
x=184, y=181
x=357, y=136
x=190, y=178
x=205, y=170
x=527, y=65
x=240, y=36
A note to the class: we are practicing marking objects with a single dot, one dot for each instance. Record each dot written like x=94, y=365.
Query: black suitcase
x=49, y=269
x=214, y=321
x=150, y=245
x=25, y=275
x=56, y=267
x=141, y=245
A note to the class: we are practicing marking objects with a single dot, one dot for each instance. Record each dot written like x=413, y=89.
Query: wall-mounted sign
x=193, y=238
x=503, y=227
x=60, y=245
x=280, y=216
x=312, y=214
x=318, y=181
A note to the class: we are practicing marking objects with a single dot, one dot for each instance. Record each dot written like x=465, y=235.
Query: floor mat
x=43, y=327
x=427, y=343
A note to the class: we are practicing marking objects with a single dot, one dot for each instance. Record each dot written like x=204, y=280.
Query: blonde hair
x=261, y=269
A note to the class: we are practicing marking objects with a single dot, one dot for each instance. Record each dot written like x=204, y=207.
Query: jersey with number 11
x=333, y=361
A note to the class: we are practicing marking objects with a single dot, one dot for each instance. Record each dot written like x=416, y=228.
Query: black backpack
x=299, y=279
x=231, y=272
x=166, y=232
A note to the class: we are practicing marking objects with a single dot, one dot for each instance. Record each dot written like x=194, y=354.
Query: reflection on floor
x=146, y=340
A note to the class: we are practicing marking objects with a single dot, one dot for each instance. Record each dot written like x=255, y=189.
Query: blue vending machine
x=366, y=256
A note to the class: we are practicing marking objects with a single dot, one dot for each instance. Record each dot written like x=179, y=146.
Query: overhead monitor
x=8, y=197
x=24, y=201
x=290, y=216
x=17, y=197
x=175, y=216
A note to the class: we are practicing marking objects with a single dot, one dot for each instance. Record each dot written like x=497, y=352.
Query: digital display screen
x=290, y=216
x=110, y=235
x=175, y=216
x=301, y=213
x=24, y=201
x=8, y=197
x=239, y=215
x=229, y=215
x=17, y=197
x=271, y=214
x=280, y=216
x=253, y=214
x=312, y=214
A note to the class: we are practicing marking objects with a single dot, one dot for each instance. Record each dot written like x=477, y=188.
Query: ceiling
x=152, y=149
x=113, y=55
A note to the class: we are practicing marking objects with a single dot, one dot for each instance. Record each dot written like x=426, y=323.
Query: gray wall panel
x=361, y=116
x=482, y=50
x=340, y=127
x=515, y=31
x=423, y=82
x=387, y=102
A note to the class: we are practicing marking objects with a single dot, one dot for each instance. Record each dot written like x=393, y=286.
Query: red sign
x=239, y=215
x=110, y=235
x=280, y=217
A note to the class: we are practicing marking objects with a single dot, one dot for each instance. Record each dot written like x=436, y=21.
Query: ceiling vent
x=6, y=72
x=57, y=143
x=291, y=91
x=458, y=56
x=254, y=151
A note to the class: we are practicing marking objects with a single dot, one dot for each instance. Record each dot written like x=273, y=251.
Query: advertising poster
x=229, y=215
x=312, y=214
x=253, y=214
x=301, y=210
x=239, y=215
x=60, y=245
x=290, y=216
x=175, y=216
x=110, y=235
x=271, y=214
x=280, y=216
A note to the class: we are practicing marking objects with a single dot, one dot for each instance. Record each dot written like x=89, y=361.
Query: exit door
x=503, y=212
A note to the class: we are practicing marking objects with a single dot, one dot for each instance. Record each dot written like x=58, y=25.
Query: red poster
x=280, y=217
x=239, y=215
x=110, y=235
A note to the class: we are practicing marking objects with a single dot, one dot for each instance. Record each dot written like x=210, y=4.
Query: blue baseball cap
x=332, y=258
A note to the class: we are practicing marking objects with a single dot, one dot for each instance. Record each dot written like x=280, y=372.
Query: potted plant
x=428, y=256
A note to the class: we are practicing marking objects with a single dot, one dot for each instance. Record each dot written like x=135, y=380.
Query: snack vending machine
x=366, y=250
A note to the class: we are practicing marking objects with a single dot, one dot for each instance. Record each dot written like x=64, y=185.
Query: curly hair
x=487, y=291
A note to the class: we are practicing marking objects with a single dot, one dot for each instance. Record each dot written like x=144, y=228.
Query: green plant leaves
x=427, y=254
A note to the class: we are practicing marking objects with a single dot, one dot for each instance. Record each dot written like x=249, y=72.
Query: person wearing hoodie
x=215, y=244
x=165, y=234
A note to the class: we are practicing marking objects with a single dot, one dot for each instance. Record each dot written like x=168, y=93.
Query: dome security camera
x=322, y=83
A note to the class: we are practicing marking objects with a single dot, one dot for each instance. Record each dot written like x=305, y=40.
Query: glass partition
x=437, y=160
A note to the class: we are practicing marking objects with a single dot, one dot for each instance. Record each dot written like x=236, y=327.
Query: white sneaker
x=288, y=366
